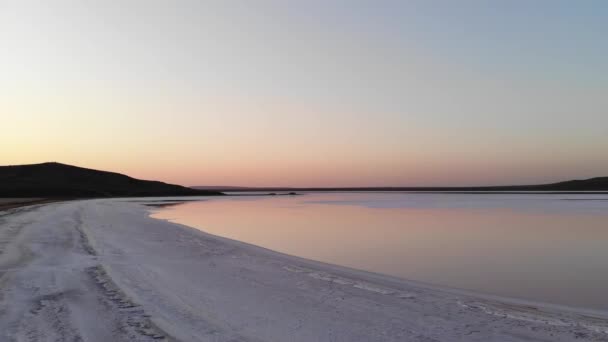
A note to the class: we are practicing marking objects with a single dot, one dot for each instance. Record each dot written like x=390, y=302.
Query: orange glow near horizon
x=330, y=99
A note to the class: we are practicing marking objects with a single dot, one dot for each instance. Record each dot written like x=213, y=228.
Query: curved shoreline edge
x=345, y=271
x=194, y=286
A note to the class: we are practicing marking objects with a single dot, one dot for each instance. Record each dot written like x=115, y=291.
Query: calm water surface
x=549, y=248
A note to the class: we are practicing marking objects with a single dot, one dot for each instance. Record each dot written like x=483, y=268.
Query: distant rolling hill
x=592, y=184
x=60, y=180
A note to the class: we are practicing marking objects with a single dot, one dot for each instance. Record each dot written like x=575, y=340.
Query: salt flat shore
x=103, y=270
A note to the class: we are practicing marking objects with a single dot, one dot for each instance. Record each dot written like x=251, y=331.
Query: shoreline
x=339, y=268
x=381, y=277
x=389, y=279
x=183, y=284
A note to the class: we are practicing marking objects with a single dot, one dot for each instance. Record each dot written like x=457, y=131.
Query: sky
x=308, y=93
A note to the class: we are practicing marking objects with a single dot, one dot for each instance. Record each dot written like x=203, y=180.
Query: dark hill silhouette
x=60, y=180
x=592, y=184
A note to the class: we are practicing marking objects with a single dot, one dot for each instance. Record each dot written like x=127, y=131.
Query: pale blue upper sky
x=308, y=92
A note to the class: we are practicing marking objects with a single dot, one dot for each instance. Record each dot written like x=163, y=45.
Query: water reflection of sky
x=539, y=247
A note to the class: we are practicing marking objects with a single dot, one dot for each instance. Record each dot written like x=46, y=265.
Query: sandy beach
x=103, y=270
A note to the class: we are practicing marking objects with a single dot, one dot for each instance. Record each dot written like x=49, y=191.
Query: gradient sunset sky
x=308, y=93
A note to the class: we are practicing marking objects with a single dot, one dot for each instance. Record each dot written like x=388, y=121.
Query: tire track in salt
x=134, y=321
